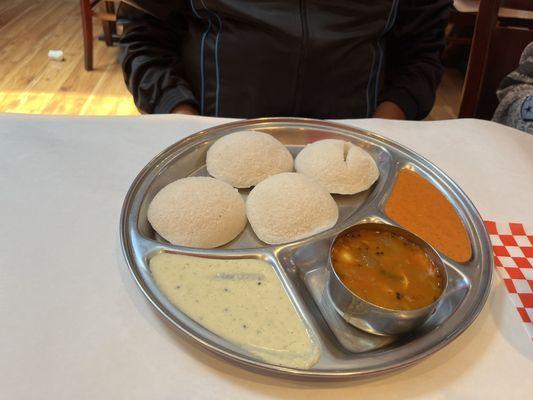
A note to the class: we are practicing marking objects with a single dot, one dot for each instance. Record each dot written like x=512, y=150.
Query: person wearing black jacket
x=308, y=58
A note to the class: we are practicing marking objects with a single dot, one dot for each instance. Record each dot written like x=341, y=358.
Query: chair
x=496, y=47
x=108, y=17
x=512, y=11
x=462, y=21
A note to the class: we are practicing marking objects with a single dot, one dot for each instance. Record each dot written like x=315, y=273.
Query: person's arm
x=389, y=110
x=151, y=59
x=413, y=69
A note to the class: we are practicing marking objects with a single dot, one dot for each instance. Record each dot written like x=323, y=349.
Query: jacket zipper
x=301, y=60
x=379, y=50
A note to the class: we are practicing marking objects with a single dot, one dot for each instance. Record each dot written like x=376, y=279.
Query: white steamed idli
x=198, y=212
x=288, y=207
x=341, y=167
x=245, y=158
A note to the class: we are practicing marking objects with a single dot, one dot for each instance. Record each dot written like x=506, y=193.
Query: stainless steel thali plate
x=301, y=266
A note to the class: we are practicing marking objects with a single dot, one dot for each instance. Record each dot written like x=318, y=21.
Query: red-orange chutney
x=421, y=208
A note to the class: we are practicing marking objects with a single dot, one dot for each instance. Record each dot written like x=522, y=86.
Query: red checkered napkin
x=513, y=258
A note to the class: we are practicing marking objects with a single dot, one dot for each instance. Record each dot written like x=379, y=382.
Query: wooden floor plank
x=49, y=78
x=16, y=13
x=45, y=34
x=11, y=9
x=26, y=25
x=107, y=97
x=26, y=71
x=76, y=90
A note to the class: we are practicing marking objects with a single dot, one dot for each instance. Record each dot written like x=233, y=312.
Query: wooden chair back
x=107, y=15
x=495, y=52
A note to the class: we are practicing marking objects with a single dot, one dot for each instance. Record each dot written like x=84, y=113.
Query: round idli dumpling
x=288, y=207
x=198, y=212
x=245, y=158
x=340, y=166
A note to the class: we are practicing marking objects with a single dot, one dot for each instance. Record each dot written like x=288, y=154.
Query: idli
x=198, y=212
x=245, y=158
x=340, y=166
x=288, y=207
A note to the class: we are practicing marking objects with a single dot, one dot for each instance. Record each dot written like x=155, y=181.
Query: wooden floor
x=30, y=83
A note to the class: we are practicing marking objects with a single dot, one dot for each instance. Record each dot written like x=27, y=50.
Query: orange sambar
x=386, y=269
x=421, y=208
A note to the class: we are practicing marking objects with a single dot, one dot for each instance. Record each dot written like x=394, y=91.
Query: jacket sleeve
x=413, y=69
x=516, y=93
x=150, y=56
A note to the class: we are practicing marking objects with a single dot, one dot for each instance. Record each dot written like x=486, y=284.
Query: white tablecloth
x=74, y=325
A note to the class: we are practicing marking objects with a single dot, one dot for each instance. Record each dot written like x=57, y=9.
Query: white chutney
x=241, y=300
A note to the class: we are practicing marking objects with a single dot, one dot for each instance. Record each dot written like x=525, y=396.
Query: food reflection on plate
x=242, y=301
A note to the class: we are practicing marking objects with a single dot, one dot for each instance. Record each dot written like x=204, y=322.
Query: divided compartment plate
x=301, y=266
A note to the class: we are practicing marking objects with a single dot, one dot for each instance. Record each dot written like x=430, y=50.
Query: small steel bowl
x=373, y=318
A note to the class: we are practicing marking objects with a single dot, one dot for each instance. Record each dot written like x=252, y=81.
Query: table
x=74, y=325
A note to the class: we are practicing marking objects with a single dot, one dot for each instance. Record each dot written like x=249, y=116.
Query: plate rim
x=258, y=365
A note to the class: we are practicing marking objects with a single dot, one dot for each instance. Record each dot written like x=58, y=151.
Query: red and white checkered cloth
x=513, y=258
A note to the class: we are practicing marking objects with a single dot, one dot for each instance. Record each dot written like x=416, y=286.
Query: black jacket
x=310, y=58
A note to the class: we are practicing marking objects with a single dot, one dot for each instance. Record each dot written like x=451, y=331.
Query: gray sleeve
x=516, y=95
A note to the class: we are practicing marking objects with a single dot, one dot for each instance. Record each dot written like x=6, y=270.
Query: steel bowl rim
x=378, y=225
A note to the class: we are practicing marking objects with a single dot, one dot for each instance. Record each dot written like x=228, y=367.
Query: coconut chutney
x=241, y=300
